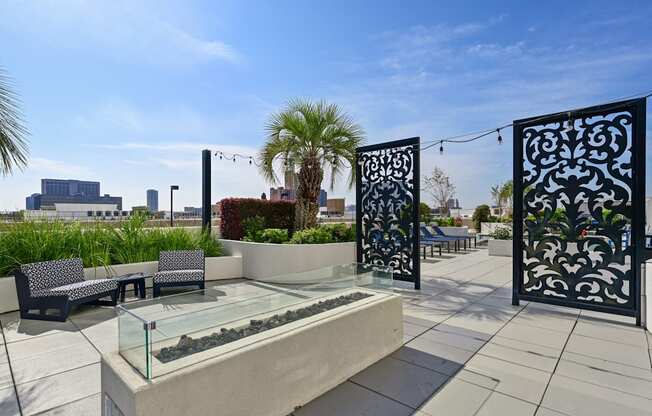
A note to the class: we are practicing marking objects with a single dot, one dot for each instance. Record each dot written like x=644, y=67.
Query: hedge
x=276, y=214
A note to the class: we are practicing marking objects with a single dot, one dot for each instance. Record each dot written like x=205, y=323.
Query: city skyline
x=134, y=92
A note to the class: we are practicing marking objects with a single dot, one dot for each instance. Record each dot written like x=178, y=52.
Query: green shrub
x=340, y=233
x=233, y=212
x=425, y=213
x=274, y=235
x=502, y=233
x=318, y=235
x=253, y=228
x=97, y=245
x=480, y=215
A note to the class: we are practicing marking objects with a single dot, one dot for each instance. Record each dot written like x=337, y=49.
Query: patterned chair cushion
x=172, y=276
x=79, y=290
x=181, y=260
x=50, y=274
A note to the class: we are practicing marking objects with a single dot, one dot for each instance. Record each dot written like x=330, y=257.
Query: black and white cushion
x=79, y=290
x=169, y=276
x=50, y=274
x=181, y=260
x=180, y=266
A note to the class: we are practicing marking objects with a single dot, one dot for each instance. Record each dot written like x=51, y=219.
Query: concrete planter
x=487, y=228
x=267, y=374
x=501, y=248
x=217, y=268
x=263, y=260
x=456, y=231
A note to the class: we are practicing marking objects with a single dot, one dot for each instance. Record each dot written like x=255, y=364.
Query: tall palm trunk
x=310, y=178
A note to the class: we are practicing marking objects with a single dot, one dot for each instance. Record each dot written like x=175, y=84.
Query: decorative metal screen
x=387, y=207
x=579, y=198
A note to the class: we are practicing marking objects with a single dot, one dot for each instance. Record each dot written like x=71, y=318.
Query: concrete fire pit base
x=267, y=374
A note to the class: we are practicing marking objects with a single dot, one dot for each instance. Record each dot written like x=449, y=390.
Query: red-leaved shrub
x=277, y=214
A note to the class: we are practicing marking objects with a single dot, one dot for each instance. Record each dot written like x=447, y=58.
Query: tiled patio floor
x=467, y=352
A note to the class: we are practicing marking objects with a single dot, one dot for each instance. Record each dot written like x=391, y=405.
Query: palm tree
x=496, y=195
x=13, y=142
x=313, y=136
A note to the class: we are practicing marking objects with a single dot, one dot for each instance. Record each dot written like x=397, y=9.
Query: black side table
x=136, y=279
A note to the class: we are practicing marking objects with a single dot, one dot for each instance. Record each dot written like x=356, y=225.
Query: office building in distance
x=152, y=200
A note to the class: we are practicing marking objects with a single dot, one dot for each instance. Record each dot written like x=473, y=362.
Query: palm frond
x=13, y=133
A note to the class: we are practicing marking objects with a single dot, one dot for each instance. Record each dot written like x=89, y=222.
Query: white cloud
x=126, y=30
x=46, y=166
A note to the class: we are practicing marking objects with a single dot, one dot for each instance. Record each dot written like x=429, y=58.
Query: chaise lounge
x=60, y=285
x=179, y=268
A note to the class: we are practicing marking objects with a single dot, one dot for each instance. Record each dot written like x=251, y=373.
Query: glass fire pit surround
x=162, y=335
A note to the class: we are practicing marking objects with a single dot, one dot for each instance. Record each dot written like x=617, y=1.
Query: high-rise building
x=152, y=200
x=69, y=192
x=323, y=197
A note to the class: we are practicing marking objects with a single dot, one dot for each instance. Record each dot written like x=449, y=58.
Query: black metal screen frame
x=637, y=109
x=411, y=145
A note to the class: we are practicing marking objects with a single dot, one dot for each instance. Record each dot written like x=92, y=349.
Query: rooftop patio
x=467, y=351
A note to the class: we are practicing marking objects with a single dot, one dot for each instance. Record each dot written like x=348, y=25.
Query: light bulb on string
x=570, y=123
x=250, y=160
x=441, y=148
x=500, y=138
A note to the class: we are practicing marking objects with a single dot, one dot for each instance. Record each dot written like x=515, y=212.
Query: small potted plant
x=500, y=243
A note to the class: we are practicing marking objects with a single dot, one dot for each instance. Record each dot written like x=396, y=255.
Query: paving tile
x=577, y=398
x=534, y=335
x=608, y=374
x=8, y=402
x=5, y=375
x=413, y=330
x=500, y=405
x=483, y=320
x=418, y=321
x=561, y=310
x=522, y=353
x=504, y=377
x=349, y=399
x=456, y=397
x=442, y=358
x=48, y=363
x=16, y=329
x=401, y=381
x=610, y=351
x=607, y=317
x=426, y=313
x=608, y=331
x=89, y=406
x=456, y=340
x=457, y=330
x=546, y=319
x=54, y=391
x=500, y=302
x=542, y=411
x=34, y=346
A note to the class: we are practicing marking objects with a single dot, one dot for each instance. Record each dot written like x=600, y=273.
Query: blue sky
x=128, y=93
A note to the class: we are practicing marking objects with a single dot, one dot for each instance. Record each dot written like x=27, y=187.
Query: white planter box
x=263, y=260
x=456, y=231
x=500, y=248
x=267, y=374
x=217, y=268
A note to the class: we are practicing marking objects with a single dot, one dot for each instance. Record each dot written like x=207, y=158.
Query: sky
x=129, y=93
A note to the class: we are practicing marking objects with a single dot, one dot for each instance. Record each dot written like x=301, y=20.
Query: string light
x=441, y=148
x=500, y=138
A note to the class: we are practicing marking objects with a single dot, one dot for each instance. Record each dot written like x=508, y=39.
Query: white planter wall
x=501, y=248
x=217, y=268
x=489, y=227
x=263, y=260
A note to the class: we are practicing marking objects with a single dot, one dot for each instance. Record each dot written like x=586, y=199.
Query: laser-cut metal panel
x=387, y=207
x=578, y=199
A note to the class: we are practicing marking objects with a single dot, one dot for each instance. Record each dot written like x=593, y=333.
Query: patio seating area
x=467, y=351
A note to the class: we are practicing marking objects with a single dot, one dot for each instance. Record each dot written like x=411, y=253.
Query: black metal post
x=206, y=190
x=517, y=214
x=172, y=189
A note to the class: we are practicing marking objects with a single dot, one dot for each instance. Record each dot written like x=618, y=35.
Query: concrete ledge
x=217, y=268
x=501, y=248
x=263, y=260
x=456, y=231
x=277, y=371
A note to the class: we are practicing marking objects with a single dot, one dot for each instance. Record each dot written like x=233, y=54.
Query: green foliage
x=13, y=133
x=425, y=213
x=253, y=228
x=277, y=214
x=502, y=233
x=480, y=215
x=274, y=235
x=317, y=235
x=97, y=246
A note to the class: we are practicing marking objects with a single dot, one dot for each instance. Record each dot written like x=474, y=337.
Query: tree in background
x=440, y=187
x=425, y=213
x=313, y=136
x=13, y=141
x=480, y=215
x=497, y=196
x=506, y=193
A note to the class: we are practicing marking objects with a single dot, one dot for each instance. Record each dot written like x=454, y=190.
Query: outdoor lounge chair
x=439, y=232
x=59, y=284
x=427, y=236
x=179, y=268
